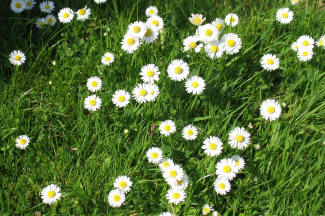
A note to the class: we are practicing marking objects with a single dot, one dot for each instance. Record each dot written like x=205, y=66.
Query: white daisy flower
x=294, y=46
x=321, y=41
x=206, y=209
x=46, y=6
x=196, y=19
x=293, y=2
x=232, y=19
x=212, y=146
x=94, y=84
x=176, y=195
x=100, y=1
x=153, y=91
x=305, y=54
x=239, y=138
x=166, y=214
x=83, y=13
x=150, y=73
x=123, y=183
x=40, y=23
x=222, y=186
x=270, y=109
x=151, y=11
x=178, y=70
x=239, y=162
x=121, y=98
x=232, y=43
x=29, y=4
x=107, y=58
x=195, y=85
x=130, y=43
x=189, y=132
x=50, y=194
x=141, y=93
x=182, y=184
x=50, y=19
x=17, y=6
x=17, y=57
x=165, y=164
x=219, y=24
x=191, y=42
x=214, y=49
x=151, y=34
x=154, y=155
x=167, y=127
x=208, y=33
x=22, y=142
x=305, y=42
x=65, y=15
x=156, y=22
x=270, y=62
x=226, y=169
x=137, y=29
x=284, y=15
x=92, y=103
x=116, y=198
x=173, y=174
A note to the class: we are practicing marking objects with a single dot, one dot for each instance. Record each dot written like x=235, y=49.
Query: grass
x=83, y=153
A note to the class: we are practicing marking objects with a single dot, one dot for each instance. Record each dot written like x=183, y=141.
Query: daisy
x=294, y=46
x=151, y=34
x=107, y=58
x=232, y=43
x=284, y=15
x=239, y=138
x=100, y=1
x=293, y=2
x=214, y=49
x=189, y=132
x=195, y=85
x=208, y=32
x=65, y=15
x=130, y=43
x=176, y=195
x=137, y=29
x=165, y=164
x=321, y=41
x=178, y=70
x=17, y=6
x=92, y=103
x=121, y=98
x=173, y=174
x=154, y=155
x=46, y=6
x=17, y=57
x=116, y=198
x=212, y=146
x=191, y=42
x=206, y=209
x=50, y=194
x=226, y=169
x=150, y=73
x=182, y=184
x=141, y=93
x=29, y=4
x=166, y=214
x=196, y=19
x=232, y=19
x=270, y=109
x=83, y=13
x=219, y=24
x=305, y=54
x=156, y=22
x=239, y=162
x=40, y=23
x=50, y=19
x=123, y=183
x=94, y=84
x=270, y=62
x=151, y=11
x=305, y=42
x=222, y=186
x=153, y=91
x=167, y=127
x=22, y=141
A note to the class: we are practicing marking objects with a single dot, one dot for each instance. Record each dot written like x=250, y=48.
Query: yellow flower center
x=206, y=210
x=155, y=22
x=148, y=33
x=22, y=142
x=208, y=32
x=121, y=98
x=94, y=84
x=232, y=19
x=130, y=41
x=197, y=21
x=51, y=194
x=143, y=92
x=270, y=109
x=136, y=29
x=154, y=155
x=50, y=20
x=320, y=43
x=151, y=11
x=176, y=195
x=190, y=132
x=173, y=173
x=123, y=184
x=17, y=57
x=222, y=186
x=107, y=58
x=18, y=5
x=28, y=3
x=284, y=15
x=116, y=198
x=237, y=162
x=305, y=43
x=231, y=43
x=92, y=102
x=214, y=48
x=47, y=7
x=167, y=127
x=165, y=164
x=150, y=73
x=305, y=53
x=270, y=62
x=239, y=138
x=296, y=46
x=41, y=23
x=65, y=15
x=178, y=70
x=195, y=84
x=219, y=26
x=193, y=45
x=213, y=146
x=226, y=169
x=82, y=12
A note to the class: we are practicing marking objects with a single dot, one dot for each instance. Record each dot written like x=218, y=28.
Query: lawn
x=84, y=152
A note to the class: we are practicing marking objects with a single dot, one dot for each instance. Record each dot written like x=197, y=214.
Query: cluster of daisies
x=66, y=15
x=304, y=46
x=18, y=6
x=93, y=102
x=168, y=127
x=143, y=32
x=207, y=209
x=117, y=196
x=209, y=36
x=173, y=174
